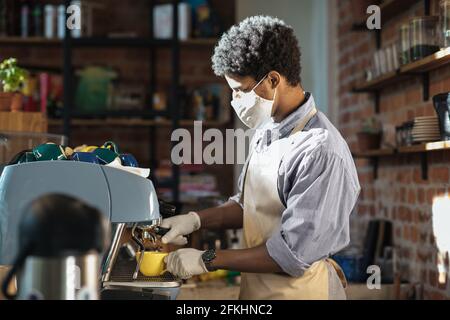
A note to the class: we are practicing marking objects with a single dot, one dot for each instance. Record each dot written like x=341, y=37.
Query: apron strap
x=339, y=271
x=299, y=127
x=303, y=122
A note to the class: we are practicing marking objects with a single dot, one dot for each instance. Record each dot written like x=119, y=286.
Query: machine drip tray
x=122, y=276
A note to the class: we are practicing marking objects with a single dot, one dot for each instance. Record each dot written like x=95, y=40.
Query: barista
x=296, y=191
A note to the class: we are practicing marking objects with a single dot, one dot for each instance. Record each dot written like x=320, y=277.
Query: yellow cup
x=152, y=264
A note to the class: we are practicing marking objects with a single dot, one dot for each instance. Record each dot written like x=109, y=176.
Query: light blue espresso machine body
x=121, y=196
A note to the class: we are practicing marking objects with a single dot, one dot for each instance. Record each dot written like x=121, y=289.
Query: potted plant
x=12, y=79
x=369, y=138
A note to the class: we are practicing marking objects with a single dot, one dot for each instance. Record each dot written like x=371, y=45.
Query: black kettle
x=61, y=240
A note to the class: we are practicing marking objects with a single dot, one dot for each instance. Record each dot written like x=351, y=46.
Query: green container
x=94, y=89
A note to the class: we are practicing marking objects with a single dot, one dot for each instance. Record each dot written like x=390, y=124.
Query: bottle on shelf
x=36, y=21
x=61, y=21
x=49, y=21
x=24, y=19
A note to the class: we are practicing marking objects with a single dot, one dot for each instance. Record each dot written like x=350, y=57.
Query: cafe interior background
x=125, y=77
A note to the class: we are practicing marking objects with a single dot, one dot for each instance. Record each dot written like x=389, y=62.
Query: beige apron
x=262, y=215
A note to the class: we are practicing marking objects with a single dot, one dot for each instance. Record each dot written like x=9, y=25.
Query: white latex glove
x=180, y=226
x=185, y=263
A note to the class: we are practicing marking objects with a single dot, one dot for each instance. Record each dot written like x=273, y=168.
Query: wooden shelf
x=425, y=147
x=133, y=123
x=422, y=149
x=418, y=148
x=200, y=41
x=105, y=41
x=37, y=41
x=432, y=62
x=378, y=83
x=375, y=153
x=23, y=121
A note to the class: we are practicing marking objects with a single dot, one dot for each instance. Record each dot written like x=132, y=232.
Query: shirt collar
x=288, y=124
x=278, y=130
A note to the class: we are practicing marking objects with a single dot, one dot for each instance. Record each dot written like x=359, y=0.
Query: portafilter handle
x=167, y=210
x=160, y=231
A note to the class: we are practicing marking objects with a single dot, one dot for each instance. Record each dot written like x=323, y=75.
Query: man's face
x=245, y=84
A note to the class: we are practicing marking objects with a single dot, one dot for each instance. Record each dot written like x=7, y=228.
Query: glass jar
x=444, y=27
x=404, y=44
x=395, y=57
x=424, y=38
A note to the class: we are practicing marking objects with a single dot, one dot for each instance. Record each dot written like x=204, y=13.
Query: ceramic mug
x=111, y=146
x=27, y=157
x=22, y=157
x=49, y=151
x=128, y=160
x=105, y=156
x=85, y=157
x=153, y=264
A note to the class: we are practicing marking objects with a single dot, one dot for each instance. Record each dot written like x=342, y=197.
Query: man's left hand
x=185, y=263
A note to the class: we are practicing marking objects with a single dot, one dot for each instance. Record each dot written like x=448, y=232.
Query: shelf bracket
x=427, y=7
x=424, y=165
x=378, y=38
x=375, y=167
x=377, y=101
x=426, y=86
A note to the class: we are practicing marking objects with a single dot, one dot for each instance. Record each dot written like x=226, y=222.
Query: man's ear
x=274, y=78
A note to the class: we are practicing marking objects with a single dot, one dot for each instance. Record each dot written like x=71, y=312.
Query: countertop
x=209, y=290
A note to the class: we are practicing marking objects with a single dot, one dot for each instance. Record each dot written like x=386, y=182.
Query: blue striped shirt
x=318, y=186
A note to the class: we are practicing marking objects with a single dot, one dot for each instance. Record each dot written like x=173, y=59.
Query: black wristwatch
x=208, y=256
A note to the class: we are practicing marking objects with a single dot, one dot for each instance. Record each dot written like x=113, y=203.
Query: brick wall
x=399, y=193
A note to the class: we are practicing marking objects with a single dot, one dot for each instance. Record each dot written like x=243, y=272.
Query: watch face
x=208, y=255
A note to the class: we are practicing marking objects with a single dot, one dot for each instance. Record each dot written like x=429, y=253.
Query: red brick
x=439, y=174
x=420, y=195
x=406, y=232
x=431, y=193
x=411, y=197
x=414, y=234
x=398, y=232
x=402, y=194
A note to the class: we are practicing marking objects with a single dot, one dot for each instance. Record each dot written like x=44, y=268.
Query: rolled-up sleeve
x=319, y=193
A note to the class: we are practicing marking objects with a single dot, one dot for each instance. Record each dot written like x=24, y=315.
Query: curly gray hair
x=256, y=46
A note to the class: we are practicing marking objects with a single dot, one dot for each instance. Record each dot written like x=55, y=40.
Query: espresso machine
x=127, y=200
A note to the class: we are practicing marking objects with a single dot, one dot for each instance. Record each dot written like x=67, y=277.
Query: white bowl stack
x=426, y=129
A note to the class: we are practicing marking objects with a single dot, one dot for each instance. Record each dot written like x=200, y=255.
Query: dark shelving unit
x=70, y=113
x=120, y=42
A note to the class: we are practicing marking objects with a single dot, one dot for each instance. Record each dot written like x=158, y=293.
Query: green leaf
x=11, y=76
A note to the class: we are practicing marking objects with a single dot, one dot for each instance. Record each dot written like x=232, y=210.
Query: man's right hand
x=180, y=226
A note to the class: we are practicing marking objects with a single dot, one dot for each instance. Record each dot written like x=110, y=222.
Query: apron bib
x=262, y=216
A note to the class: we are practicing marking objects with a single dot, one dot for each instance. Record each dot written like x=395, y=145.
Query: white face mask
x=252, y=109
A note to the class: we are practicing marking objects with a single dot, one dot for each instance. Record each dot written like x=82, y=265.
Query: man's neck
x=292, y=100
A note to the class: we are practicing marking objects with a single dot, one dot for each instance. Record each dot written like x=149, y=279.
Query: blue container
x=128, y=160
x=352, y=267
x=85, y=157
